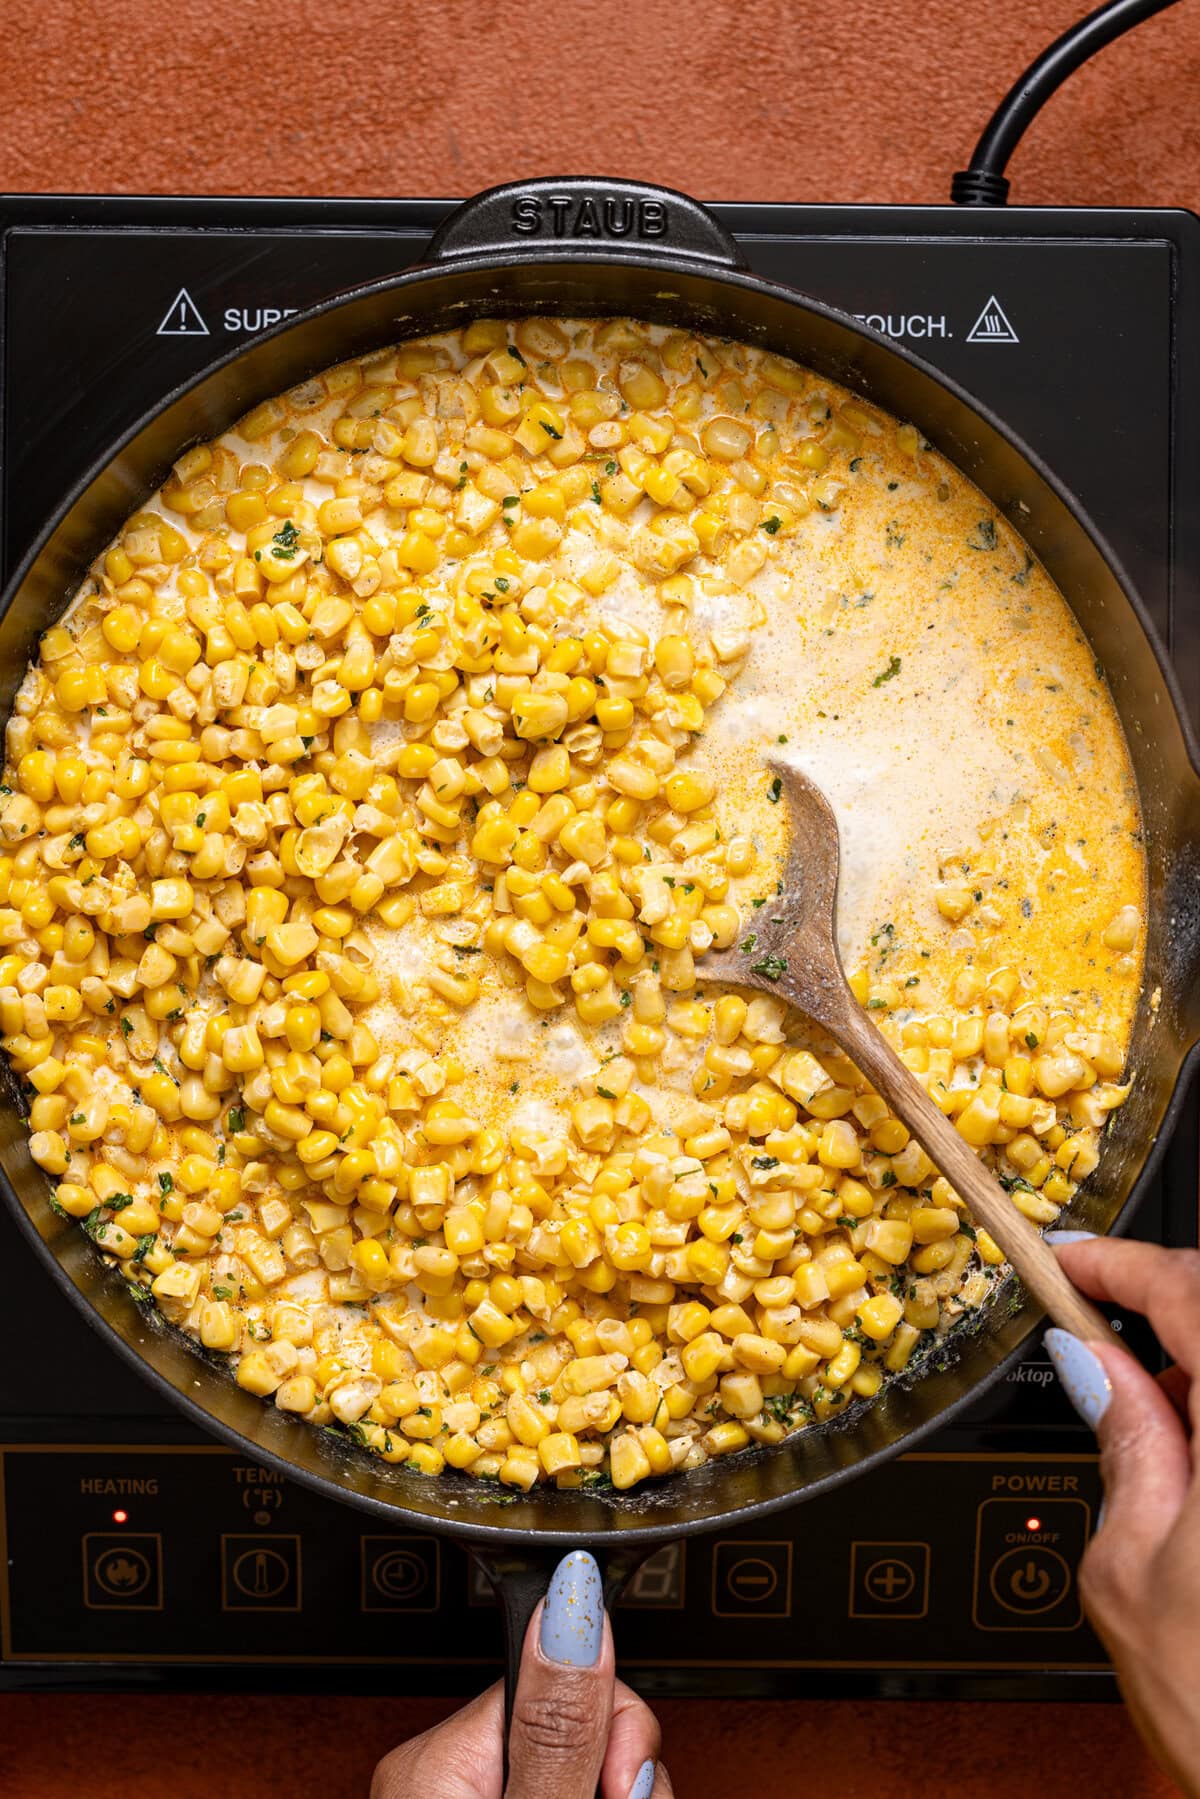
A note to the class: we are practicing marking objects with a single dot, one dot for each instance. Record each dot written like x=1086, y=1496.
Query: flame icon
x=121, y=1571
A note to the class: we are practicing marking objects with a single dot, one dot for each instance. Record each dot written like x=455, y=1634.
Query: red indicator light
x=1033, y=1524
x=120, y=1517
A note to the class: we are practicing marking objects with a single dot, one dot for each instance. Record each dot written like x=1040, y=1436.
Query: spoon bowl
x=793, y=953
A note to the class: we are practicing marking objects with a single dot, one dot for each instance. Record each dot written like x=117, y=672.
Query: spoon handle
x=990, y=1205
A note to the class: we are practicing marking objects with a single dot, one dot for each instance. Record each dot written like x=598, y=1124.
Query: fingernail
x=643, y=1786
x=1070, y=1236
x=573, y=1615
x=1100, y=1516
x=1082, y=1375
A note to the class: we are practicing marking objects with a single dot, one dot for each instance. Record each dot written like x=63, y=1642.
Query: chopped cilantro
x=889, y=673
x=286, y=542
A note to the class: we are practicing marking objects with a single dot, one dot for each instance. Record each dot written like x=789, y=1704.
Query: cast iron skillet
x=586, y=247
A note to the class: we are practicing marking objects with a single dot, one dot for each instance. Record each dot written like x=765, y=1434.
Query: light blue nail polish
x=1082, y=1375
x=1070, y=1236
x=643, y=1786
x=1100, y=1516
x=573, y=1615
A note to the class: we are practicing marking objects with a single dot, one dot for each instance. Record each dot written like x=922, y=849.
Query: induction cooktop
x=140, y=1554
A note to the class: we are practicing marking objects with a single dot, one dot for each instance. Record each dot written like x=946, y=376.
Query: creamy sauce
x=910, y=657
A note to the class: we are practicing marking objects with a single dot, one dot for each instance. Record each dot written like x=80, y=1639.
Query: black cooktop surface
x=136, y=1550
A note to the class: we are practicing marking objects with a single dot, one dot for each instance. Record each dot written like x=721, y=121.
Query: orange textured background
x=247, y=1748
x=854, y=100
x=754, y=99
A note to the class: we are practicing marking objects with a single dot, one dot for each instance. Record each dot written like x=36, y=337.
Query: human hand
x=575, y=1728
x=1140, y=1577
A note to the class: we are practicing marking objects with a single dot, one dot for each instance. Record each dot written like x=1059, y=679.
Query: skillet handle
x=585, y=214
x=520, y=1578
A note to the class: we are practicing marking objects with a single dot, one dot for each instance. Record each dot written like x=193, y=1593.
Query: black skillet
x=585, y=247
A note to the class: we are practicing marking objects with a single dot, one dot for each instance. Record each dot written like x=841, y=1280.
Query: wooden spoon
x=794, y=955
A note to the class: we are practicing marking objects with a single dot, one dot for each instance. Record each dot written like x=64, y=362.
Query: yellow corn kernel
x=880, y=1315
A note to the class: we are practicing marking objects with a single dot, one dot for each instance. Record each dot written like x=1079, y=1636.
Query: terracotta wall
x=762, y=100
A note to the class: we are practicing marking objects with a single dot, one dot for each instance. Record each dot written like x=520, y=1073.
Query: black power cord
x=983, y=181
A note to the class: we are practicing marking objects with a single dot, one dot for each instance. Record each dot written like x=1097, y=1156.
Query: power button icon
x=1030, y=1580
x=1026, y=1554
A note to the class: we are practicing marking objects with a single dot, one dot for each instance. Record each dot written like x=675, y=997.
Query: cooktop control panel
x=190, y=1554
x=135, y=1552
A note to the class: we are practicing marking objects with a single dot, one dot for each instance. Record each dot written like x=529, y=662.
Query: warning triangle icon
x=182, y=318
x=993, y=326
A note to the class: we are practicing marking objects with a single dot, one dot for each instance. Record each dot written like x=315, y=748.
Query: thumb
x=564, y=1697
x=1144, y=1457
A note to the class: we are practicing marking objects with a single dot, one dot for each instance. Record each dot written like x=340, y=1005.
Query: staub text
x=588, y=215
